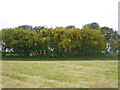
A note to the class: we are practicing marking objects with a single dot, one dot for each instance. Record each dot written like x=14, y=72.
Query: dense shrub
x=53, y=42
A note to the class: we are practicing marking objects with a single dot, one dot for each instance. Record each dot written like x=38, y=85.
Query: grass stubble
x=60, y=74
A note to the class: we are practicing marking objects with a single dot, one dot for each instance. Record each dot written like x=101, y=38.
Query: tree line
x=60, y=41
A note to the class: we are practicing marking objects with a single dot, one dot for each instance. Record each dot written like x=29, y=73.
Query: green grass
x=60, y=74
x=97, y=57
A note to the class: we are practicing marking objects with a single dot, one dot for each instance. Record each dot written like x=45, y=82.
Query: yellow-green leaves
x=54, y=42
x=21, y=41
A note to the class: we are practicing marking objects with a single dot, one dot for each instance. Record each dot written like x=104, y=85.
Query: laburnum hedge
x=53, y=42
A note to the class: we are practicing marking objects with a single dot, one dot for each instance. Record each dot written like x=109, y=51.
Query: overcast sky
x=58, y=13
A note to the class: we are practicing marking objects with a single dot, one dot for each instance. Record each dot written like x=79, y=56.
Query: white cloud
x=58, y=12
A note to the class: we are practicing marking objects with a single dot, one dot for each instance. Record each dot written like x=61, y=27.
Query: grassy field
x=59, y=74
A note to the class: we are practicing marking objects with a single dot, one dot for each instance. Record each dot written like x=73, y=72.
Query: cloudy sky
x=58, y=13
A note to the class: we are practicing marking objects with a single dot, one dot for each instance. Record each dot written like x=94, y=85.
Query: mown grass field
x=59, y=74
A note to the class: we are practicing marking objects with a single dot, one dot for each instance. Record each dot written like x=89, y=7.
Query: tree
x=26, y=27
x=19, y=40
x=70, y=27
x=55, y=42
x=111, y=36
x=38, y=28
x=82, y=42
x=0, y=41
x=93, y=25
x=118, y=46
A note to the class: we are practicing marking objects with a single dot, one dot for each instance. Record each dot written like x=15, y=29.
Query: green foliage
x=54, y=42
x=20, y=40
x=118, y=46
x=111, y=38
x=70, y=27
x=26, y=27
x=85, y=41
x=93, y=25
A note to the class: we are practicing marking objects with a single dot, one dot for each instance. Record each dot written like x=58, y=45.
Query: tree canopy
x=26, y=40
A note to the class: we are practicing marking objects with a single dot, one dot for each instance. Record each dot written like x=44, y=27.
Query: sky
x=52, y=13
